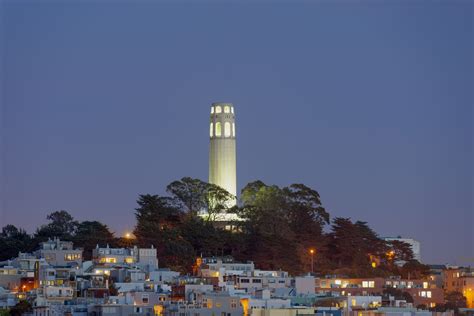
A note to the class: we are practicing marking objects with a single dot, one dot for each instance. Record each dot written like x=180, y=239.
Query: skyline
x=371, y=105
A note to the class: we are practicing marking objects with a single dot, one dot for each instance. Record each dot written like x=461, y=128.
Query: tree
x=400, y=251
x=154, y=214
x=269, y=238
x=355, y=246
x=62, y=225
x=191, y=193
x=12, y=241
x=455, y=300
x=194, y=196
x=89, y=234
x=20, y=308
x=158, y=224
x=413, y=269
x=398, y=294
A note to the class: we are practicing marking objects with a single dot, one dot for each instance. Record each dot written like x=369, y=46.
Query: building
x=415, y=245
x=460, y=280
x=145, y=258
x=222, y=151
x=60, y=253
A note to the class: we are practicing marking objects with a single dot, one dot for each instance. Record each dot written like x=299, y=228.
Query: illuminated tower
x=222, y=162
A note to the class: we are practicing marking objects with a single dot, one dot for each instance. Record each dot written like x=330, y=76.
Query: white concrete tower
x=222, y=159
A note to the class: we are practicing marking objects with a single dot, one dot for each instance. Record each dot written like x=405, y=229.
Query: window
x=218, y=109
x=145, y=298
x=428, y=294
x=233, y=303
x=209, y=303
x=227, y=129
x=211, y=130
x=218, y=129
x=256, y=281
x=72, y=256
x=425, y=285
x=233, y=129
x=244, y=281
x=212, y=110
x=226, y=109
x=232, y=109
x=129, y=260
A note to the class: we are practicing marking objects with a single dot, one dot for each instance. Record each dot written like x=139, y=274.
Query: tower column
x=222, y=151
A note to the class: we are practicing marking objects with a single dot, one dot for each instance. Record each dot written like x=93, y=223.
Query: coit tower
x=222, y=161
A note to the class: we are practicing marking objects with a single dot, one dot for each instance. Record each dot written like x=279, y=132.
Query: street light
x=312, y=251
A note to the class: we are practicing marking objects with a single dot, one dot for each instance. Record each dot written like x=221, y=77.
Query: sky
x=370, y=103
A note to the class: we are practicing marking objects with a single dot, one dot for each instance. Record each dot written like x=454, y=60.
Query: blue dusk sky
x=368, y=102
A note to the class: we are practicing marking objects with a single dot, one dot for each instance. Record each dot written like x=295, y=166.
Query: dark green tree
x=12, y=241
x=158, y=224
x=455, y=300
x=61, y=225
x=91, y=233
x=21, y=308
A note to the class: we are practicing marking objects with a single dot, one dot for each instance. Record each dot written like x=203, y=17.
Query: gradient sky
x=370, y=103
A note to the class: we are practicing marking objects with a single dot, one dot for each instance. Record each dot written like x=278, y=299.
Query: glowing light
x=227, y=129
x=374, y=265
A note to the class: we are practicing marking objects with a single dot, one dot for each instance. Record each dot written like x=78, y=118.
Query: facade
x=60, y=253
x=144, y=258
x=423, y=292
x=460, y=280
x=222, y=151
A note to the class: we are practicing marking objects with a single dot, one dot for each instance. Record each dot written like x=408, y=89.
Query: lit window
x=218, y=109
x=428, y=294
x=425, y=285
x=233, y=129
x=423, y=294
x=218, y=129
x=129, y=260
x=226, y=109
x=211, y=130
x=227, y=129
x=232, y=109
x=212, y=110
x=338, y=282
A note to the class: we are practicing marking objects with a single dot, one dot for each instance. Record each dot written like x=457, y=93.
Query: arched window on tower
x=233, y=129
x=211, y=130
x=232, y=109
x=227, y=129
x=218, y=129
x=218, y=109
x=226, y=109
x=212, y=110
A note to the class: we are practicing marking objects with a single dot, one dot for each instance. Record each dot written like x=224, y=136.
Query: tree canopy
x=277, y=228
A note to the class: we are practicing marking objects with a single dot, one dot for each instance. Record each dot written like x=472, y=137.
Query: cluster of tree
x=62, y=225
x=277, y=230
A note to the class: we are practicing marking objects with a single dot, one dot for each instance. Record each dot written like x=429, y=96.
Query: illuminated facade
x=222, y=153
